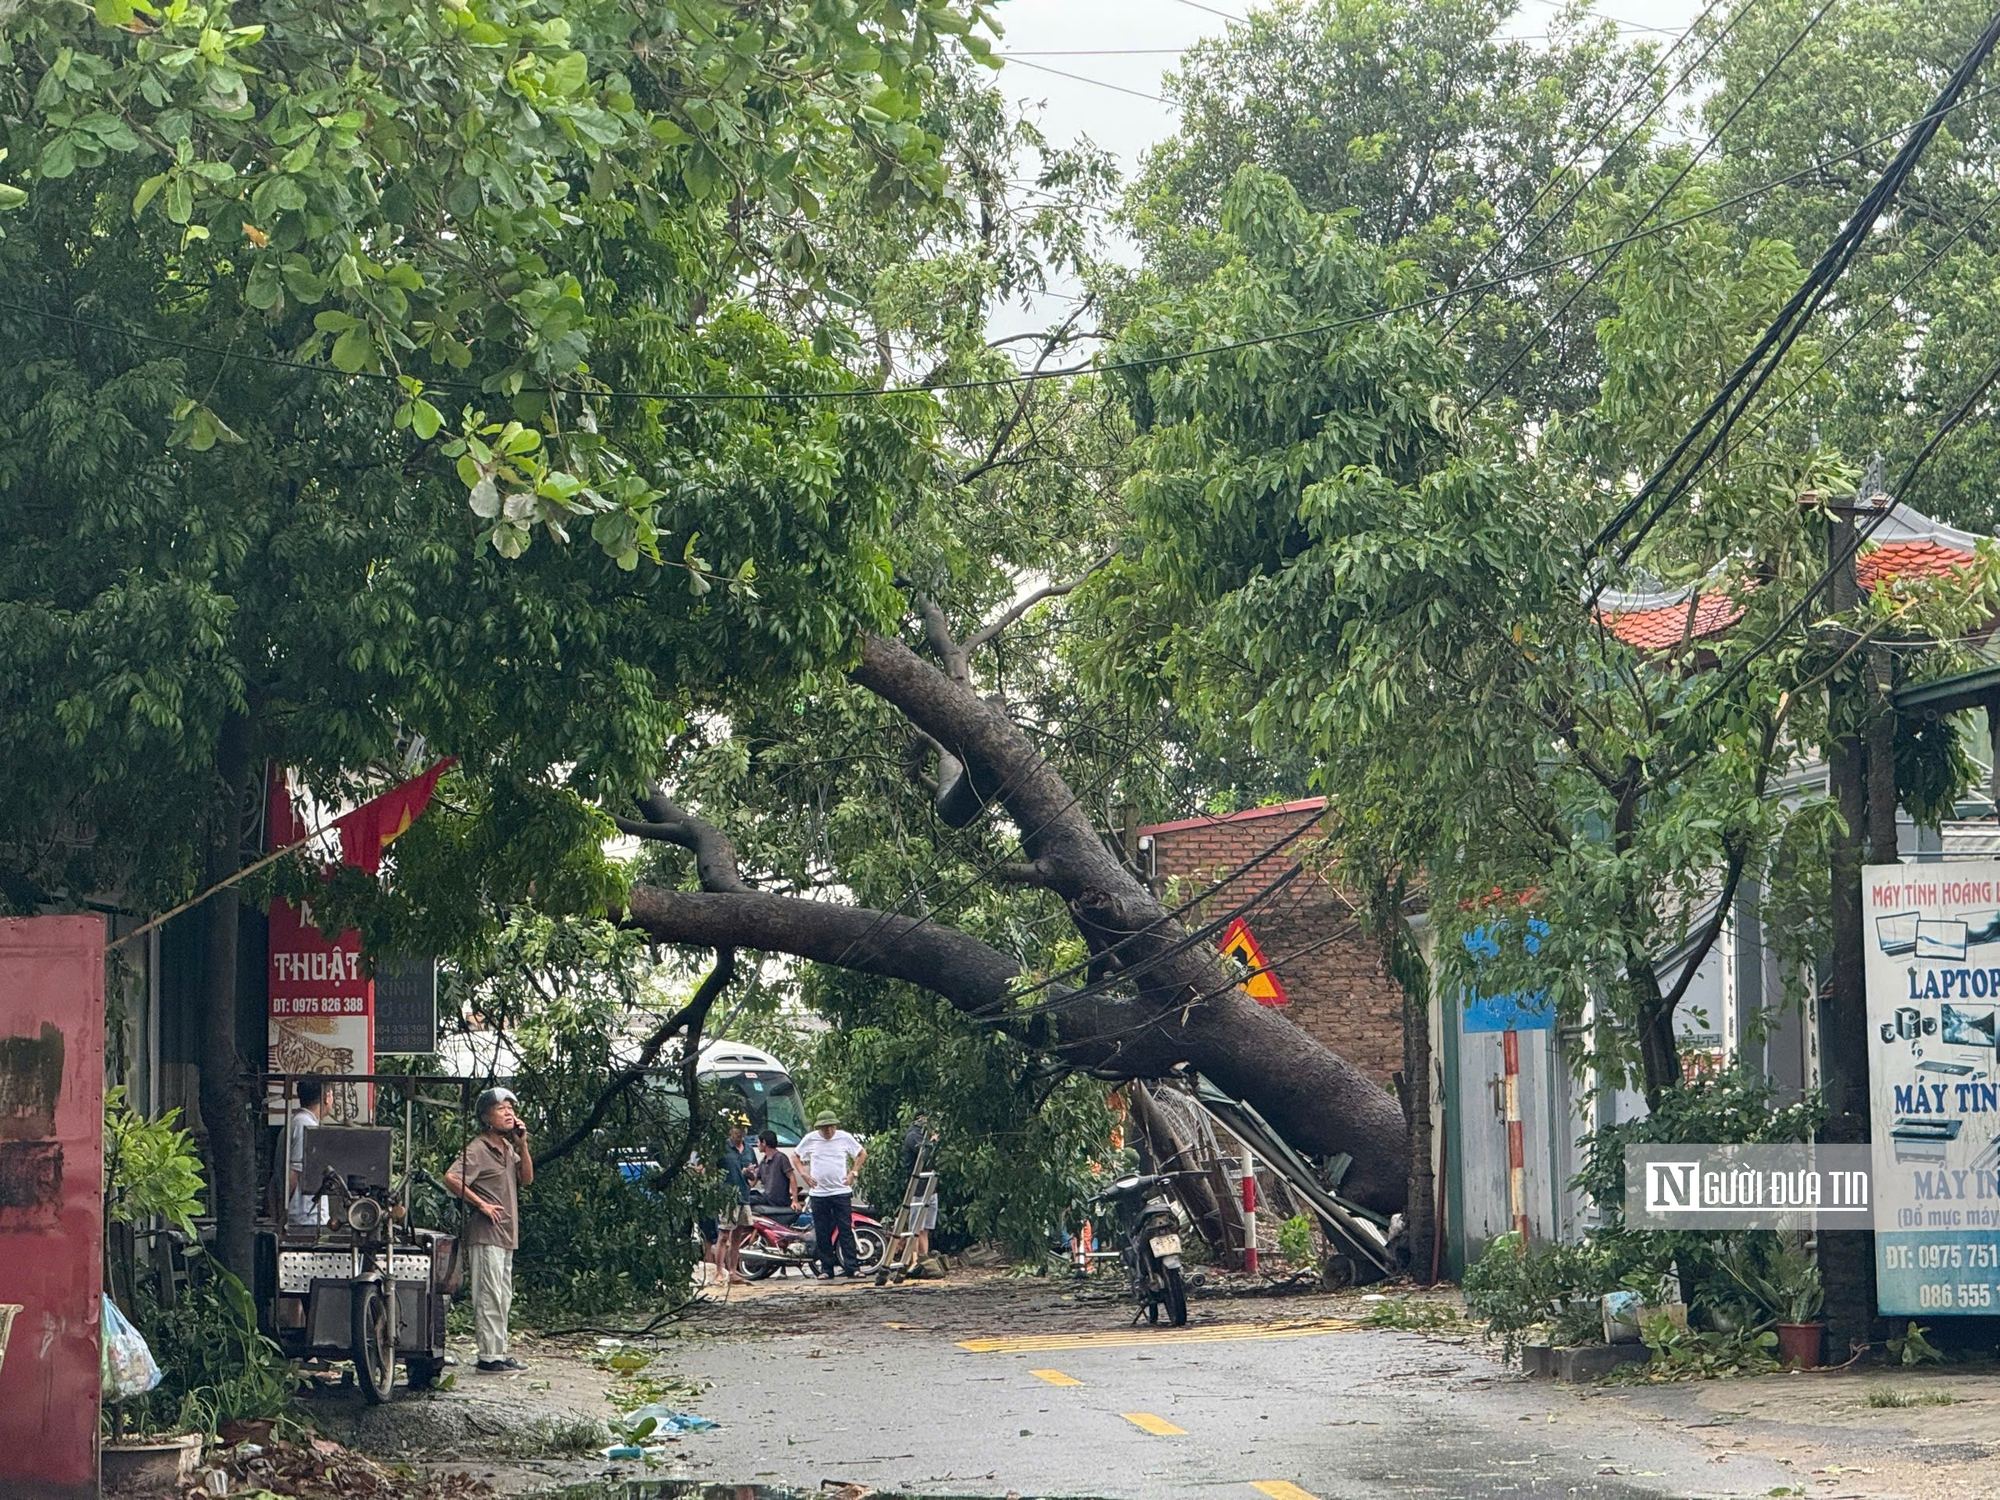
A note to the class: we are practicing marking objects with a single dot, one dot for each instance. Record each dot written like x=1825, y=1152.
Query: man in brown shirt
x=489, y=1175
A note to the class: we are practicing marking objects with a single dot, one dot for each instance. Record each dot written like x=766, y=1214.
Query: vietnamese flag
x=377, y=823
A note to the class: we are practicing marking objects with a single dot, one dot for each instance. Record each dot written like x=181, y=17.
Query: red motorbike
x=783, y=1239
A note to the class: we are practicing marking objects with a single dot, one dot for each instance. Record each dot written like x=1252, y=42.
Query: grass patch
x=1886, y=1396
x=553, y=1437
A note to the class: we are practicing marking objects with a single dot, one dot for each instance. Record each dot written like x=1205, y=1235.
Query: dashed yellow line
x=1055, y=1377
x=1145, y=1421
x=1281, y=1489
x=1219, y=1333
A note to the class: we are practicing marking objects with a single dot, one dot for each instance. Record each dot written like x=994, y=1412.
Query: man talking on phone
x=489, y=1175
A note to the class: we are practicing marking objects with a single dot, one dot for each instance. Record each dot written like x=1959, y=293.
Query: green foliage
x=1416, y=1313
x=215, y=1366
x=1692, y=1354
x=1295, y=1240
x=1910, y=1347
x=1777, y=1273
x=1515, y=1291
x=564, y=997
x=1016, y=1139
x=1735, y=1106
x=150, y=1167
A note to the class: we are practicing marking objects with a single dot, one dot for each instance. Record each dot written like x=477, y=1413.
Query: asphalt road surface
x=1017, y=1390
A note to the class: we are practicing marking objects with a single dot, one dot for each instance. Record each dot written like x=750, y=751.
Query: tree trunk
x=226, y=1097
x=1177, y=1006
x=1420, y=1212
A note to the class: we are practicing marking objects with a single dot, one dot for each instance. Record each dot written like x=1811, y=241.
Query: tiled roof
x=1914, y=546
x=1908, y=560
x=1664, y=627
x=1244, y=816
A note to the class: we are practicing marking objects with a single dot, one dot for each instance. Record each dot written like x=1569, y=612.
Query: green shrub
x=215, y=1366
x=1295, y=1240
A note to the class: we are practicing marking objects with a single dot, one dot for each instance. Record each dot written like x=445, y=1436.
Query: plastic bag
x=129, y=1369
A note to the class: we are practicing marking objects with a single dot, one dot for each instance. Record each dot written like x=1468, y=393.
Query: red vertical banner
x=51, y=1204
x=321, y=1004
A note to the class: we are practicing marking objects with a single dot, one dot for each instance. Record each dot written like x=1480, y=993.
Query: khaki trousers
x=492, y=1298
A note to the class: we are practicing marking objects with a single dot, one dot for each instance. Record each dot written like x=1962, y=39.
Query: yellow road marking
x=1281, y=1489
x=1055, y=1377
x=1219, y=1333
x=1145, y=1421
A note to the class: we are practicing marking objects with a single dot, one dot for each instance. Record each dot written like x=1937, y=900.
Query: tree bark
x=1182, y=1006
x=227, y=1098
x=1406, y=966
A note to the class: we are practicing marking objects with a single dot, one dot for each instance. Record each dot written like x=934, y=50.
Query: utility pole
x=1861, y=778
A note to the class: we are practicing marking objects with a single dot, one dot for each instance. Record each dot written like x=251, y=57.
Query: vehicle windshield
x=766, y=1096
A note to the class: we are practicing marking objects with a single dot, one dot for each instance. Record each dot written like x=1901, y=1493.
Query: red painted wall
x=51, y=1203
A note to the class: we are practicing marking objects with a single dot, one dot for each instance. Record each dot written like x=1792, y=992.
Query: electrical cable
x=1534, y=339
x=1610, y=156
x=1025, y=377
x=1862, y=535
x=1785, y=329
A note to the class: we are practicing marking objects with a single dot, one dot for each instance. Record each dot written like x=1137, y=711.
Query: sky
x=1116, y=50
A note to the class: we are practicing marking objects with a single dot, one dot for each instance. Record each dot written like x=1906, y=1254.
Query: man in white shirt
x=303, y=1209
x=829, y=1162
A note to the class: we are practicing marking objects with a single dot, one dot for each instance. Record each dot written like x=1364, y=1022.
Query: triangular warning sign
x=1262, y=985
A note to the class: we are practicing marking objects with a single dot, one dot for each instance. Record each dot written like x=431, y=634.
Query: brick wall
x=1339, y=993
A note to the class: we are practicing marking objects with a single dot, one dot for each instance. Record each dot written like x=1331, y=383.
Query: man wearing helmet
x=489, y=1175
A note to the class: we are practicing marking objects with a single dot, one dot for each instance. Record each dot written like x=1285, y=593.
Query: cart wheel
x=421, y=1372
x=374, y=1342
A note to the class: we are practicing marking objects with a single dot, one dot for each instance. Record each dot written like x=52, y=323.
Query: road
x=1016, y=1390
x=991, y=1385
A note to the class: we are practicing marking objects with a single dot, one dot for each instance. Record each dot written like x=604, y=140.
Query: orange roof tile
x=1664, y=627
x=1913, y=559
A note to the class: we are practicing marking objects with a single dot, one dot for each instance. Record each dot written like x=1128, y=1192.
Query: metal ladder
x=900, y=1258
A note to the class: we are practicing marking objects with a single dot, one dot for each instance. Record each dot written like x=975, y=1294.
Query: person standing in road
x=829, y=1161
x=739, y=1162
x=489, y=1175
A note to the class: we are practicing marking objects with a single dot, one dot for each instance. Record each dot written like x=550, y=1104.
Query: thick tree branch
x=715, y=859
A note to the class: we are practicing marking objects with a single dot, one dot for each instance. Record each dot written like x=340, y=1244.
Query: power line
x=1612, y=155
x=1026, y=377
x=1762, y=362
x=1021, y=61
x=1665, y=194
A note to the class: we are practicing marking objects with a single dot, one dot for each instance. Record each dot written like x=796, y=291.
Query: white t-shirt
x=299, y=1208
x=825, y=1161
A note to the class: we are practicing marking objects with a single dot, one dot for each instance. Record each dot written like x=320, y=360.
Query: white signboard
x=1933, y=943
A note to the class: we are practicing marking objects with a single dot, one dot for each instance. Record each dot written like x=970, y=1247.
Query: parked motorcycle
x=783, y=1239
x=1151, y=1249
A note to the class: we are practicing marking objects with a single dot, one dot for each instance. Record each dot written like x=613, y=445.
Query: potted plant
x=1784, y=1282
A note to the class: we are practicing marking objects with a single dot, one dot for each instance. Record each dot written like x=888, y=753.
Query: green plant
x=1777, y=1273
x=1515, y=1291
x=1912, y=1348
x=150, y=1167
x=1689, y=1354
x=1295, y=1240
x=217, y=1367
x=1889, y=1396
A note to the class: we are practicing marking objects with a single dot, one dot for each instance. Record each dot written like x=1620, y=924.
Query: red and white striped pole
x=1517, y=1155
x=1249, y=1212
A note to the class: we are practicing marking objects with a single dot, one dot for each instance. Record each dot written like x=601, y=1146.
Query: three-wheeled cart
x=365, y=1286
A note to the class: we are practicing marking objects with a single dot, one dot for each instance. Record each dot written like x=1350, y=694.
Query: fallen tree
x=1156, y=997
